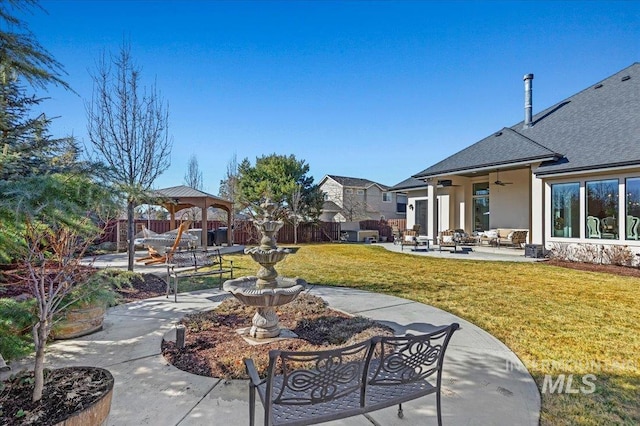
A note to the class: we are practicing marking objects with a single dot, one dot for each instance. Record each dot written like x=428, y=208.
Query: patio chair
x=397, y=234
x=593, y=227
x=448, y=238
x=632, y=227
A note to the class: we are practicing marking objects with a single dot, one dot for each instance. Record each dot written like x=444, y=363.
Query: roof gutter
x=579, y=171
x=488, y=167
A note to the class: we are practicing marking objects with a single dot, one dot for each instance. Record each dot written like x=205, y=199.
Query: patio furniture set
x=455, y=238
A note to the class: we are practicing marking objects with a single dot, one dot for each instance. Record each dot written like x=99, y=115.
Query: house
x=568, y=174
x=348, y=199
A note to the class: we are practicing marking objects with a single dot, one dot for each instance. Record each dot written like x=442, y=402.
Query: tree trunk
x=295, y=233
x=130, y=234
x=40, y=339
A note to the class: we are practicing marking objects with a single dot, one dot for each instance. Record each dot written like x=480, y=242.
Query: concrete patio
x=484, y=382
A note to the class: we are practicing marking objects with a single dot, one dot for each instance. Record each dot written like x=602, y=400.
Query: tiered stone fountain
x=266, y=290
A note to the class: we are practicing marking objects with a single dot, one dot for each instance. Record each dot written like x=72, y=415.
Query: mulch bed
x=625, y=271
x=214, y=348
x=66, y=390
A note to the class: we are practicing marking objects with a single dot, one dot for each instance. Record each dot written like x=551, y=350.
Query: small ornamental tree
x=61, y=215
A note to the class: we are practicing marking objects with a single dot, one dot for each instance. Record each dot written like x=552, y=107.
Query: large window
x=632, y=224
x=602, y=209
x=565, y=209
x=481, y=206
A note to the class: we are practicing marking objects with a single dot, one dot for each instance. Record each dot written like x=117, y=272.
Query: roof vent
x=625, y=78
x=597, y=86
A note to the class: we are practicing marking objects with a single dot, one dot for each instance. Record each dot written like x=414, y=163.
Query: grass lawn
x=557, y=320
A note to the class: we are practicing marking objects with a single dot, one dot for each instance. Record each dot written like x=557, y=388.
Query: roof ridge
x=528, y=139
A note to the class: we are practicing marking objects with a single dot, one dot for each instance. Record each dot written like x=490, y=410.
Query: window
x=360, y=192
x=326, y=196
x=348, y=191
x=602, y=209
x=386, y=197
x=632, y=221
x=401, y=203
x=481, y=206
x=565, y=210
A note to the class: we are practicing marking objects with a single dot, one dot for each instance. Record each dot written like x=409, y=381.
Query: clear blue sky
x=377, y=90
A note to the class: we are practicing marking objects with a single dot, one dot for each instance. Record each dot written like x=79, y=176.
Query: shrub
x=16, y=320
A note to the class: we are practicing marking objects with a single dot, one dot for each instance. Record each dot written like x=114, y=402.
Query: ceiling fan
x=498, y=181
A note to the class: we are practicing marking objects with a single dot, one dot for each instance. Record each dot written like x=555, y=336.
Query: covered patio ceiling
x=181, y=197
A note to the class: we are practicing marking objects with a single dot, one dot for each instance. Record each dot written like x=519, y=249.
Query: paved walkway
x=478, y=388
x=501, y=254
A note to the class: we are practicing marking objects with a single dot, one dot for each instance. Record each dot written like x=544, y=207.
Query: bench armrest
x=252, y=372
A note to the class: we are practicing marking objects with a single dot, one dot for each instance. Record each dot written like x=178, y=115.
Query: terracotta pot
x=79, y=322
x=97, y=413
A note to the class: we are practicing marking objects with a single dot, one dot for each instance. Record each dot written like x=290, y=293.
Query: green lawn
x=557, y=320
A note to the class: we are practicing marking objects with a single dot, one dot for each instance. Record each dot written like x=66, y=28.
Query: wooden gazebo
x=181, y=197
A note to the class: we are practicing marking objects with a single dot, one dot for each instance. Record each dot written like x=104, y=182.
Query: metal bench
x=195, y=263
x=303, y=388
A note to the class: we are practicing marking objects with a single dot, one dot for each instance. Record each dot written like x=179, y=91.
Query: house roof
x=409, y=183
x=596, y=128
x=355, y=182
x=330, y=206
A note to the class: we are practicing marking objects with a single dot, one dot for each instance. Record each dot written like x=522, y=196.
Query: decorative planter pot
x=78, y=322
x=96, y=413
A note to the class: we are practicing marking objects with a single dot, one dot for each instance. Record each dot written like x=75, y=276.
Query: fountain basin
x=249, y=292
x=271, y=256
x=246, y=290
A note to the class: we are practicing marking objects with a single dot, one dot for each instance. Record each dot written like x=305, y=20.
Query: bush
x=16, y=320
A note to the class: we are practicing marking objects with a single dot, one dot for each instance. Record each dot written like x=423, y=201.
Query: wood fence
x=244, y=231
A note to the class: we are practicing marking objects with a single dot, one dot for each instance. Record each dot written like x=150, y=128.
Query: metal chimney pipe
x=528, y=100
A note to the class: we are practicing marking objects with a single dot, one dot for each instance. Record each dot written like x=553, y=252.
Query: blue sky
x=377, y=90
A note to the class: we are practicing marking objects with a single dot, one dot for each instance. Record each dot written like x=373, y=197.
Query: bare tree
x=128, y=127
x=193, y=178
x=230, y=189
x=295, y=211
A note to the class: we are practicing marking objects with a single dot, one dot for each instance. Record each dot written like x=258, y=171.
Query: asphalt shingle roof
x=356, y=182
x=597, y=127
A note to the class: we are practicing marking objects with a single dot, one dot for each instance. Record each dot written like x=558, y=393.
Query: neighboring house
x=349, y=199
x=568, y=174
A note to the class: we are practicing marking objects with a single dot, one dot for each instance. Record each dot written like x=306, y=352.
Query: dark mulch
x=625, y=271
x=214, y=348
x=66, y=390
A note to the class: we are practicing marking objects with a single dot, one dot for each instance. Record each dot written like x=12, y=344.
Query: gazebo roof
x=182, y=197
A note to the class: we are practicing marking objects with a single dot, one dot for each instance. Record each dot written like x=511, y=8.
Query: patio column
x=432, y=212
x=538, y=207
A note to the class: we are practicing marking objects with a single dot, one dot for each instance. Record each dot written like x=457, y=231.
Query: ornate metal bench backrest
x=408, y=359
x=308, y=378
x=196, y=258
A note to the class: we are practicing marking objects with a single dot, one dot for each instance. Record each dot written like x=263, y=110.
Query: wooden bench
x=195, y=263
x=303, y=388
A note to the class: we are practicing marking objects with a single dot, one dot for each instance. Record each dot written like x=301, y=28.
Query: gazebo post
x=203, y=236
x=172, y=217
x=229, y=230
